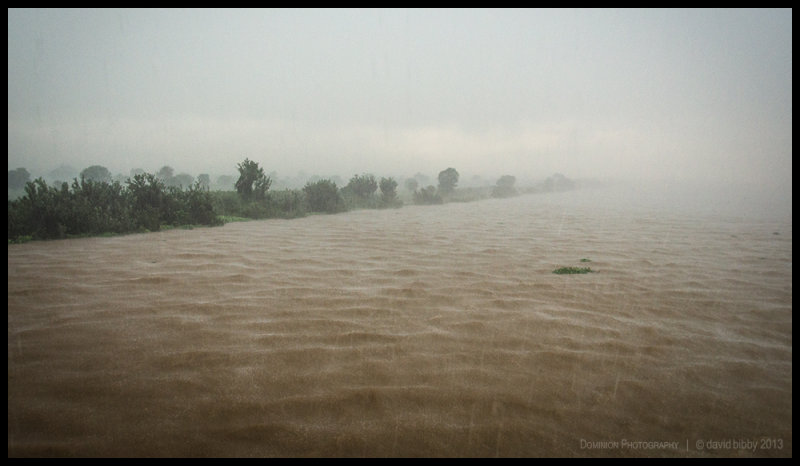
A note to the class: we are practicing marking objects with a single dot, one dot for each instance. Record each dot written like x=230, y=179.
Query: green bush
x=149, y=201
x=277, y=204
x=39, y=213
x=572, y=270
x=323, y=196
x=289, y=203
x=197, y=206
x=96, y=207
x=92, y=207
x=227, y=203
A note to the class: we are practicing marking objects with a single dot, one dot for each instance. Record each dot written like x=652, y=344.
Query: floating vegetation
x=585, y=260
x=572, y=270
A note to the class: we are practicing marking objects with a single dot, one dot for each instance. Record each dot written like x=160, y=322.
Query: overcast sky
x=648, y=94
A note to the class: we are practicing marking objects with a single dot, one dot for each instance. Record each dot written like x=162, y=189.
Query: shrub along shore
x=145, y=203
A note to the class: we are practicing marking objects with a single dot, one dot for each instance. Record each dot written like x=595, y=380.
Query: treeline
x=253, y=199
x=96, y=205
x=89, y=207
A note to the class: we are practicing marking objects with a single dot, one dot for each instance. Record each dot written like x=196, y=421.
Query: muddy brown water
x=421, y=331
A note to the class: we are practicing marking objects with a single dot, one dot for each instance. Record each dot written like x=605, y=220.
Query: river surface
x=420, y=331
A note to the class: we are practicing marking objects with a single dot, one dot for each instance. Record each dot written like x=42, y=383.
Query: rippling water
x=423, y=331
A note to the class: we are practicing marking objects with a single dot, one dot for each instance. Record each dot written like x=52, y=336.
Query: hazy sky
x=655, y=94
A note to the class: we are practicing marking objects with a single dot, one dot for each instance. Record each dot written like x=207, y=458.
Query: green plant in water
x=585, y=260
x=572, y=270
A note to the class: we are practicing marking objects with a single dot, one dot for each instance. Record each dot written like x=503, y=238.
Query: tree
x=362, y=186
x=506, y=181
x=184, y=180
x=558, y=182
x=165, y=174
x=388, y=192
x=323, y=196
x=477, y=180
x=225, y=182
x=205, y=181
x=149, y=199
x=360, y=192
x=422, y=180
x=505, y=187
x=97, y=173
x=17, y=178
x=411, y=184
x=63, y=173
x=252, y=183
x=427, y=196
x=448, y=179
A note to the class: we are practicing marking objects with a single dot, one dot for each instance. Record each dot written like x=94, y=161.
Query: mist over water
x=421, y=331
x=744, y=201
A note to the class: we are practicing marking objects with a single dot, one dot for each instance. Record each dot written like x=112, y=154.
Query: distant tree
x=96, y=173
x=506, y=181
x=360, y=192
x=411, y=184
x=204, y=180
x=17, y=178
x=165, y=174
x=301, y=178
x=422, y=180
x=505, y=187
x=225, y=182
x=388, y=192
x=252, y=183
x=448, y=180
x=558, y=182
x=427, y=196
x=63, y=173
x=477, y=180
x=136, y=171
x=183, y=180
x=274, y=178
x=323, y=196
